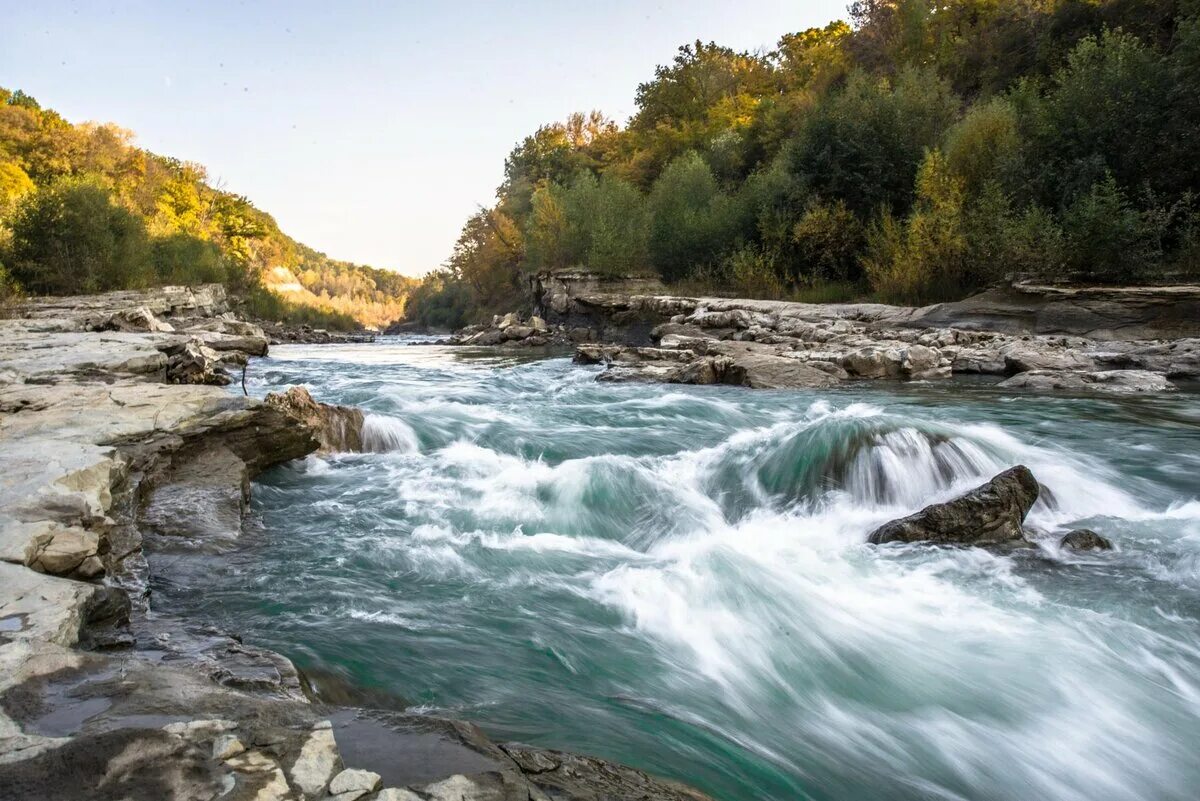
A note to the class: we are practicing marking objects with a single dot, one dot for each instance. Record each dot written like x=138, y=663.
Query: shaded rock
x=991, y=514
x=338, y=428
x=1084, y=539
x=760, y=367
x=202, y=495
x=139, y=318
x=571, y=776
x=196, y=363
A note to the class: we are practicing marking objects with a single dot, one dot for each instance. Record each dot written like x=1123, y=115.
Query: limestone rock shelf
x=116, y=436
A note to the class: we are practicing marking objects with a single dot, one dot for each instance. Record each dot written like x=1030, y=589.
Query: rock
x=510, y=319
x=354, y=780
x=43, y=608
x=67, y=551
x=202, y=495
x=516, y=332
x=759, y=367
x=196, y=363
x=538, y=324
x=317, y=763
x=991, y=514
x=397, y=794
x=1111, y=381
x=492, y=336
x=226, y=746
x=571, y=776
x=139, y=318
x=1023, y=356
x=338, y=428
x=1084, y=539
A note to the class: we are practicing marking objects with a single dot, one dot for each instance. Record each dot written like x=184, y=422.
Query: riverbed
x=678, y=577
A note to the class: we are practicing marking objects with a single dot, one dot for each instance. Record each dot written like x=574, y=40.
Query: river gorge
x=677, y=577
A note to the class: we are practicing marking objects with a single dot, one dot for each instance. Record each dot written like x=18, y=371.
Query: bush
x=70, y=237
x=692, y=222
x=1105, y=235
x=829, y=237
x=185, y=259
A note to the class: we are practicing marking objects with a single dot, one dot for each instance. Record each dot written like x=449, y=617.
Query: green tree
x=70, y=237
x=692, y=222
x=863, y=143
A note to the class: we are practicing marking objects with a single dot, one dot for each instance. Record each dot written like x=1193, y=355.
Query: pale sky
x=369, y=130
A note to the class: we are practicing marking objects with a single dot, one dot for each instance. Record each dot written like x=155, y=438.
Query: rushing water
x=677, y=578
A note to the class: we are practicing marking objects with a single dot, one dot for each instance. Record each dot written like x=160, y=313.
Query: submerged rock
x=1084, y=539
x=991, y=514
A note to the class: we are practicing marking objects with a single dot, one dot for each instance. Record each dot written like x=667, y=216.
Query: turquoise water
x=676, y=577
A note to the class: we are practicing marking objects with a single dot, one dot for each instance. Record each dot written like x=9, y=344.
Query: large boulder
x=338, y=428
x=991, y=514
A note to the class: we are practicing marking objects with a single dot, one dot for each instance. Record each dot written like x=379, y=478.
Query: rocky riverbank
x=1118, y=340
x=118, y=438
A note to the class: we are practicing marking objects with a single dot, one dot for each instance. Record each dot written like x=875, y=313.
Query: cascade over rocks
x=991, y=514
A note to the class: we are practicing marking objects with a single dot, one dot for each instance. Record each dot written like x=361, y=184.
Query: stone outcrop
x=991, y=514
x=338, y=428
x=103, y=461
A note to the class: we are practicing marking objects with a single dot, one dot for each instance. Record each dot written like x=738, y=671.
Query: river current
x=677, y=577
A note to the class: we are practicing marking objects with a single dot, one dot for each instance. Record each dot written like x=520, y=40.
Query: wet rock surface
x=991, y=514
x=109, y=470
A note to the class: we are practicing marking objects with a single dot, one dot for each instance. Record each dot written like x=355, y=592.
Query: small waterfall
x=383, y=434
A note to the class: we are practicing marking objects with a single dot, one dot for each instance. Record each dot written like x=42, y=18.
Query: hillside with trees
x=916, y=153
x=83, y=209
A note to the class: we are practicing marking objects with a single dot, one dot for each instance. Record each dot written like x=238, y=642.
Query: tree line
x=915, y=153
x=82, y=209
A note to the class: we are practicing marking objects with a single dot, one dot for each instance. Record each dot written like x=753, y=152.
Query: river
x=677, y=577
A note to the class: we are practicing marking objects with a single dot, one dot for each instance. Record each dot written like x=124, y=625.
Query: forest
x=83, y=209
x=915, y=153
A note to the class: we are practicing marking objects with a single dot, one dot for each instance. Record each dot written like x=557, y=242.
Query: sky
x=369, y=130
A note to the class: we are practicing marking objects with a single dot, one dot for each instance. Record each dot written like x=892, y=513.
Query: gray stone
x=354, y=779
x=991, y=514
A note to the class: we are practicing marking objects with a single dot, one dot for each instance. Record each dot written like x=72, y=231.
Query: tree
x=863, y=143
x=70, y=237
x=691, y=219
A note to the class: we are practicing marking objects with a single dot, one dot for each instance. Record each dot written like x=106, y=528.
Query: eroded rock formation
x=101, y=460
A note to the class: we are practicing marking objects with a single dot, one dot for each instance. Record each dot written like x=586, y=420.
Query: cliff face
x=117, y=438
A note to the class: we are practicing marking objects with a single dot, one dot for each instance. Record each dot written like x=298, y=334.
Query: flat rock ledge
x=1040, y=339
x=118, y=439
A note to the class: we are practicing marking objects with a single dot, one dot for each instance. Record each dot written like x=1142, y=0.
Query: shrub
x=70, y=237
